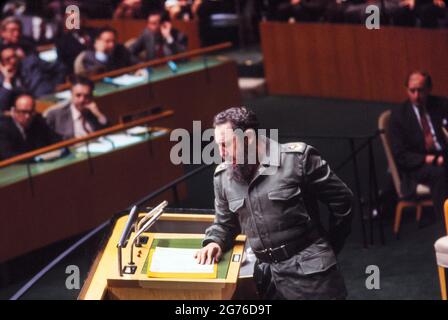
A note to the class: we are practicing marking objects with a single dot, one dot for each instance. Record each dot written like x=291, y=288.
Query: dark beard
x=244, y=173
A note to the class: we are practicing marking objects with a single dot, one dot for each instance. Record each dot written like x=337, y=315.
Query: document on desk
x=63, y=95
x=128, y=80
x=178, y=263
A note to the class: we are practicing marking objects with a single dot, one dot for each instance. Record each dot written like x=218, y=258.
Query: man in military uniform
x=274, y=201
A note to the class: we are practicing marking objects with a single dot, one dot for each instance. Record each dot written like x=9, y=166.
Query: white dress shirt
x=79, y=129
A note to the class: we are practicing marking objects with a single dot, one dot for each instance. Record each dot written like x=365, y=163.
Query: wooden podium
x=105, y=283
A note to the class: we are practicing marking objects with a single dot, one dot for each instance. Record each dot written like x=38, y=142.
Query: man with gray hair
x=11, y=34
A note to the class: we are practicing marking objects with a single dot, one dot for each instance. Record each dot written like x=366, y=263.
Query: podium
x=172, y=230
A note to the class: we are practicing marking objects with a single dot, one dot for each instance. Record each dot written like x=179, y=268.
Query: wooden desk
x=104, y=281
x=197, y=91
x=74, y=194
x=349, y=61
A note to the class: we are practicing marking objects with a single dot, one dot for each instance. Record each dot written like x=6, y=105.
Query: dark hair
x=425, y=74
x=239, y=117
x=5, y=47
x=9, y=20
x=75, y=79
x=164, y=15
x=8, y=46
x=105, y=29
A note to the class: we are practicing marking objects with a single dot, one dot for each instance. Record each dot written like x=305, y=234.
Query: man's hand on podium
x=209, y=254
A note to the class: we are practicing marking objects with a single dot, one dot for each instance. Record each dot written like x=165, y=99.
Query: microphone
x=155, y=210
x=154, y=216
x=124, y=236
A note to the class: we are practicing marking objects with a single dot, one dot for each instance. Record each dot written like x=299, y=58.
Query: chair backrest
x=78, y=66
x=446, y=215
x=383, y=125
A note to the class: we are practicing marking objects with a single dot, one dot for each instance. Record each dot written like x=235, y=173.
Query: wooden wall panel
x=349, y=61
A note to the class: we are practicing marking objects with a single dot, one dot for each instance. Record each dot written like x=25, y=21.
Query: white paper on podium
x=175, y=260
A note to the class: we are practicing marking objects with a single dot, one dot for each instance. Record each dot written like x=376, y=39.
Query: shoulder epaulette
x=220, y=168
x=294, y=147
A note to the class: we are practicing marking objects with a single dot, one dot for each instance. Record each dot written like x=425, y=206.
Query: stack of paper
x=128, y=80
x=178, y=263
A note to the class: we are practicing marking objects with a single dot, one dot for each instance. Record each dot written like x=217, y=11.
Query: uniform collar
x=272, y=155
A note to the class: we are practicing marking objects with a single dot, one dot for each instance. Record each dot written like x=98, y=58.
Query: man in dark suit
x=24, y=130
x=159, y=39
x=396, y=12
x=71, y=43
x=107, y=54
x=429, y=12
x=418, y=140
x=301, y=10
x=79, y=116
x=29, y=74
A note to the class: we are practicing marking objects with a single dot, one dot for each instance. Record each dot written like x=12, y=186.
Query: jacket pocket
x=318, y=262
x=236, y=204
x=284, y=193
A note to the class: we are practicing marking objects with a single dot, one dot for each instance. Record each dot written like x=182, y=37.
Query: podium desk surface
x=189, y=243
x=104, y=272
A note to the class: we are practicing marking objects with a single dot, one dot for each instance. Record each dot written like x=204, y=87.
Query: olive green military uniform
x=278, y=212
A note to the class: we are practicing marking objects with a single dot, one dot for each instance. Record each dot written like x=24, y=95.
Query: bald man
x=418, y=140
x=25, y=130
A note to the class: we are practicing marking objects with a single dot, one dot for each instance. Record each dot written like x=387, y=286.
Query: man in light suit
x=418, y=141
x=159, y=39
x=79, y=116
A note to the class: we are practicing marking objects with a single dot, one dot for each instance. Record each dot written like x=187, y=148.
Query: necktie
x=429, y=139
x=84, y=125
x=159, y=51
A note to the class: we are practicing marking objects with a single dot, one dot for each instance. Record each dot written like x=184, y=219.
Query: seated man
x=396, y=12
x=182, y=9
x=418, y=141
x=24, y=130
x=79, y=116
x=429, y=12
x=159, y=39
x=71, y=43
x=28, y=74
x=107, y=54
x=11, y=34
x=129, y=9
x=301, y=10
